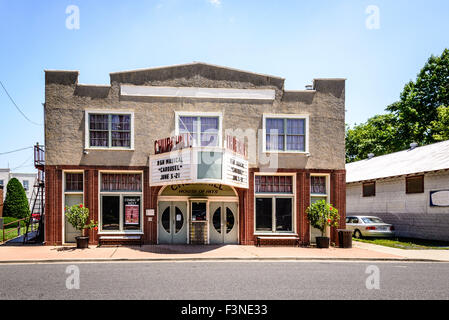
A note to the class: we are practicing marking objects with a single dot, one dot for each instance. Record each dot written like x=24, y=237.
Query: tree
x=421, y=115
x=440, y=127
x=418, y=107
x=377, y=136
x=16, y=202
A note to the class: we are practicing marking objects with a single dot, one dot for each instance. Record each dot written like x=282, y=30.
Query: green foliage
x=322, y=215
x=377, y=135
x=420, y=100
x=7, y=220
x=16, y=202
x=440, y=127
x=421, y=115
x=78, y=215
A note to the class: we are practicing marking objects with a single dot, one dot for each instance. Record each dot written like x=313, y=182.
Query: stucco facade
x=68, y=103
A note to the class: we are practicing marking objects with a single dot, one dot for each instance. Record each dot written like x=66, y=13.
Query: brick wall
x=54, y=205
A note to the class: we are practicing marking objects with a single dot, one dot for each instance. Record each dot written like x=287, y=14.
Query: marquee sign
x=170, y=167
x=190, y=165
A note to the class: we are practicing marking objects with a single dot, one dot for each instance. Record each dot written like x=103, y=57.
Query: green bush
x=7, y=220
x=16, y=202
x=322, y=215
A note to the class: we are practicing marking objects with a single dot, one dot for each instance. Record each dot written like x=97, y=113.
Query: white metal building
x=409, y=189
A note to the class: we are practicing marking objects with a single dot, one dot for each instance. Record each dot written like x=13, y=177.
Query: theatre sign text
x=177, y=162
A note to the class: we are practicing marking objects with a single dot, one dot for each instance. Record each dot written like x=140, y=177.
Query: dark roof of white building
x=428, y=158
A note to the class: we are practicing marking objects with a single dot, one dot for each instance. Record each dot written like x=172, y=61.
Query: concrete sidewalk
x=424, y=254
x=360, y=252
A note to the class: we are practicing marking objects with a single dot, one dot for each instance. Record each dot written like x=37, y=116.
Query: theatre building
x=192, y=154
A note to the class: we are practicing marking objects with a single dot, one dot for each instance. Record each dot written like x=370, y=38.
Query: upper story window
x=414, y=184
x=26, y=185
x=109, y=130
x=285, y=133
x=369, y=189
x=204, y=130
x=1, y=183
x=274, y=184
x=74, y=182
x=318, y=185
x=114, y=182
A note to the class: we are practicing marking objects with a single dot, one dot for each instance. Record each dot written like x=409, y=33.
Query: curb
x=189, y=259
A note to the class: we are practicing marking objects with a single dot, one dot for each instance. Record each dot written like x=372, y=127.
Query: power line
x=8, y=152
x=22, y=165
x=14, y=103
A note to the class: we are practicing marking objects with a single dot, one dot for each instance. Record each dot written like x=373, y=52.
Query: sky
x=378, y=46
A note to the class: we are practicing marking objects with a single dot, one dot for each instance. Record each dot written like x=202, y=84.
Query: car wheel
x=357, y=234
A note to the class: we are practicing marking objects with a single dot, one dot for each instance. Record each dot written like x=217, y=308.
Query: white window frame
x=218, y=115
x=285, y=116
x=65, y=193
x=318, y=195
x=121, y=194
x=109, y=112
x=274, y=196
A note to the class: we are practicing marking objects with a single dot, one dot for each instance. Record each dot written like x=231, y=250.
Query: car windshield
x=372, y=220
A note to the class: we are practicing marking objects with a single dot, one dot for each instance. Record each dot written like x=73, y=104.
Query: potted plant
x=77, y=216
x=322, y=215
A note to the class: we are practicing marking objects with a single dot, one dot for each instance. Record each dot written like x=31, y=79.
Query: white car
x=369, y=226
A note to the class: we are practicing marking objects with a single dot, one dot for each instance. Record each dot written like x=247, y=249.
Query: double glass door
x=223, y=223
x=172, y=222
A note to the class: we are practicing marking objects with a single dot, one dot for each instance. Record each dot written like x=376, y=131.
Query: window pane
x=131, y=213
x=264, y=214
x=318, y=185
x=121, y=182
x=275, y=126
x=74, y=182
x=179, y=218
x=165, y=219
x=187, y=124
x=230, y=221
x=296, y=143
x=295, y=126
x=274, y=184
x=99, y=138
x=121, y=139
x=316, y=199
x=369, y=189
x=216, y=220
x=284, y=214
x=209, y=124
x=110, y=213
x=275, y=142
x=199, y=211
x=209, y=140
x=415, y=184
x=99, y=122
x=121, y=122
x=209, y=132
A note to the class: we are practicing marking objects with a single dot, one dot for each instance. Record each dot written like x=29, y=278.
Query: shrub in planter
x=322, y=215
x=16, y=202
x=77, y=216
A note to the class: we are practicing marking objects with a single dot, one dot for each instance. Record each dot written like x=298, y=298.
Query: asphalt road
x=226, y=280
